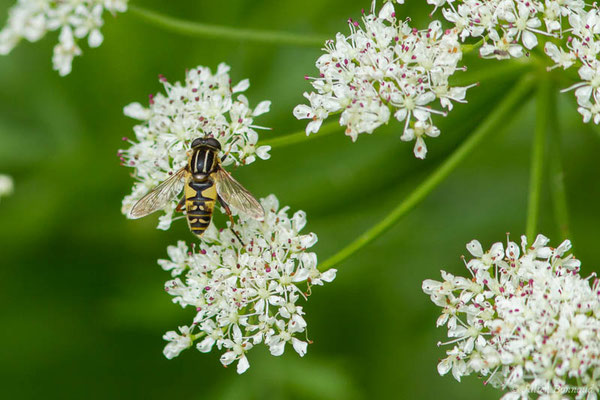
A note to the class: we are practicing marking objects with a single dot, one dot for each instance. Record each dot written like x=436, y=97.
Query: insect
x=206, y=182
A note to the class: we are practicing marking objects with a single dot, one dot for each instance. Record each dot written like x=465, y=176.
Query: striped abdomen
x=200, y=197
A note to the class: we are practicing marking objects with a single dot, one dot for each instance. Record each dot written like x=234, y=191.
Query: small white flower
x=244, y=296
x=385, y=68
x=205, y=104
x=524, y=319
x=65, y=51
x=178, y=258
x=238, y=348
x=562, y=58
x=78, y=19
x=87, y=22
x=507, y=26
x=177, y=342
x=6, y=185
x=277, y=342
x=417, y=133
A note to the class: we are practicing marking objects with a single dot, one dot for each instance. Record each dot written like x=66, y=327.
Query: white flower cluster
x=524, y=319
x=6, y=185
x=512, y=25
x=76, y=19
x=509, y=26
x=506, y=26
x=374, y=4
x=244, y=296
x=583, y=45
x=381, y=68
x=205, y=105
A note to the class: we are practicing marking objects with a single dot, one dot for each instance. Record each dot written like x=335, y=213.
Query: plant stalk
x=199, y=29
x=557, y=174
x=537, y=157
x=494, y=122
x=301, y=136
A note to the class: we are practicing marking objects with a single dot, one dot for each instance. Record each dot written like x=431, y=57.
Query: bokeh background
x=82, y=305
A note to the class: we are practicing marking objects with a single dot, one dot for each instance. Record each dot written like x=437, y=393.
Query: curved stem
x=301, y=136
x=197, y=336
x=225, y=32
x=503, y=71
x=557, y=174
x=467, y=48
x=494, y=122
x=537, y=157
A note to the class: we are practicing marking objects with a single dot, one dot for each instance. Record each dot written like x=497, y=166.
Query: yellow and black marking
x=200, y=188
x=199, y=204
x=203, y=161
x=205, y=183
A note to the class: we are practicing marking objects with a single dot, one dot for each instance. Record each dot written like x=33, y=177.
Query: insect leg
x=228, y=151
x=180, y=205
x=228, y=211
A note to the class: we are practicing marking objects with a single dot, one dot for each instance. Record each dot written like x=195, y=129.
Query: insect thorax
x=203, y=161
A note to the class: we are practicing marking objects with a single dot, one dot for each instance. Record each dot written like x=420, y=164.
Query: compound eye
x=213, y=143
x=197, y=142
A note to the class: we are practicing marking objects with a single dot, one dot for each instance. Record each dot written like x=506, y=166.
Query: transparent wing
x=159, y=196
x=236, y=196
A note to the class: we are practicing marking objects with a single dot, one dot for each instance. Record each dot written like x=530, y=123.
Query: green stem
x=494, y=122
x=503, y=71
x=557, y=175
x=537, y=157
x=225, y=32
x=301, y=136
x=197, y=336
x=467, y=48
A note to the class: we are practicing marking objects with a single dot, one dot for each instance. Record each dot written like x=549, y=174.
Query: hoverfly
x=205, y=183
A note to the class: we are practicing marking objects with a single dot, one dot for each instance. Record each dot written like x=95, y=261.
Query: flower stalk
x=301, y=136
x=537, y=156
x=505, y=71
x=198, y=29
x=493, y=122
x=467, y=48
x=557, y=173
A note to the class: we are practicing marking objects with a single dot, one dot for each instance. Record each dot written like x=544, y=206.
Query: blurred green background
x=83, y=308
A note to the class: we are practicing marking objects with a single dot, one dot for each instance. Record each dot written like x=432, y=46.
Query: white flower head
x=582, y=49
x=508, y=27
x=524, y=319
x=205, y=105
x=76, y=20
x=6, y=185
x=385, y=68
x=245, y=295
